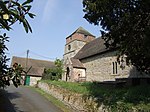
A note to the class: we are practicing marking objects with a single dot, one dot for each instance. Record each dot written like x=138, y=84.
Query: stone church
x=87, y=59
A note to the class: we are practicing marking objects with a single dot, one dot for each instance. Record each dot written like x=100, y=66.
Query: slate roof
x=36, y=71
x=92, y=48
x=76, y=63
x=38, y=66
x=81, y=30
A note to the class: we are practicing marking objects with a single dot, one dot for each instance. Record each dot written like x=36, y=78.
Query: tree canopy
x=11, y=12
x=54, y=73
x=125, y=23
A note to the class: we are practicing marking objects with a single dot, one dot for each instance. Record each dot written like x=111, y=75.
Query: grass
x=75, y=87
x=52, y=99
x=122, y=99
x=86, y=88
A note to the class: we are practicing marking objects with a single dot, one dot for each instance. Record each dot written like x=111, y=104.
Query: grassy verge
x=52, y=99
x=75, y=87
x=123, y=99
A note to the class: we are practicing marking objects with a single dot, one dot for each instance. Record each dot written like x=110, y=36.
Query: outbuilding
x=34, y=67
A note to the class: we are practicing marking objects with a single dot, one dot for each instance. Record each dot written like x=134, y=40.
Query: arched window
x=85, y=36
x=115, y=67
x=69, y=47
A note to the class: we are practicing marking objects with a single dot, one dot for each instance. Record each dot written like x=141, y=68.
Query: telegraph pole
x=26, y=67
x=27, y=60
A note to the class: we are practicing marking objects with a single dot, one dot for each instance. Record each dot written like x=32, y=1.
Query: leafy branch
x=11, y=12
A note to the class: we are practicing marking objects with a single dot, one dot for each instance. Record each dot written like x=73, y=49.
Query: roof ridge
x=81, y=30
x=32, y=59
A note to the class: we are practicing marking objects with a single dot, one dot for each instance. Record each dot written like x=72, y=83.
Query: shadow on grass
x=121, y=99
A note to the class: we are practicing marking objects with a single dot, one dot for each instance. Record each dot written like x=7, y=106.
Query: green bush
x=54, y=73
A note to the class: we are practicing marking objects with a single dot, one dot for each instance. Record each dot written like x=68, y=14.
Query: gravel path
x=25, y=99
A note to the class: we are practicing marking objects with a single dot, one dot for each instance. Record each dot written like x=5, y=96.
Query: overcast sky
x=54, y=21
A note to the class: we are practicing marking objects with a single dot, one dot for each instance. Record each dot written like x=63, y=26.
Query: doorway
x=67, y=73
x=27, y=80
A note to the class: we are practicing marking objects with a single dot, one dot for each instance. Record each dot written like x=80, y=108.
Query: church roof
x=76, y=63
x=92, y=48
x=81, y=30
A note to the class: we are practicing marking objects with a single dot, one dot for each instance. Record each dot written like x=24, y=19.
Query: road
x=24, y=99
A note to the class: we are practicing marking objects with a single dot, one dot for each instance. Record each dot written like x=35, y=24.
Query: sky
x=54, y=21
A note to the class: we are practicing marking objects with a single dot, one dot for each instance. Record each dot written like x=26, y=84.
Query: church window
x=85, y=36
x=70, y=38
x=115, y=68
x=69, y=47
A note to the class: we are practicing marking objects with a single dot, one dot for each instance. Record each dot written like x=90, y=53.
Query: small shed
x=36, y=68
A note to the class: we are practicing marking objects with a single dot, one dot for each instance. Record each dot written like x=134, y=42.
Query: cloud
x=49, y=10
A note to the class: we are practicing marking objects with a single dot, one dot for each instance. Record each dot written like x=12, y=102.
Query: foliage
x=14, y=73
x=51, y=74
x=115, y=99
x=3, y=60
x=54, y=73
x=125, y=24
x=11, y=12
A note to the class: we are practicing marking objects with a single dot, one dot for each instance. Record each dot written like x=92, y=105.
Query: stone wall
x=75, y=46
x=77, y=102
x=78, y=36
x=103, y=68
x=72, y=48
x=78, y=73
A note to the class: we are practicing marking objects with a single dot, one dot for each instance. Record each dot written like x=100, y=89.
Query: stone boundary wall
x=77, y=102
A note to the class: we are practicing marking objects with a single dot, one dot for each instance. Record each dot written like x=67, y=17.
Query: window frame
x=115, y=68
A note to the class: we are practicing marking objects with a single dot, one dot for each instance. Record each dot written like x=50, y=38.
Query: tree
x=11, y=12
x=59, y=68
x=125, y=24
x=54, y=73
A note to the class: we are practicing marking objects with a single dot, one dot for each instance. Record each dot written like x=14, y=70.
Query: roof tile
x=92, y=48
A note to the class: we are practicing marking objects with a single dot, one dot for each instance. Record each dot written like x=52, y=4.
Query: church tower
x=74, y=43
